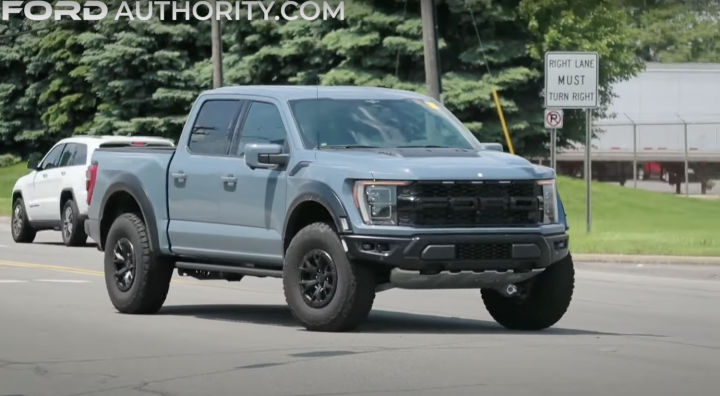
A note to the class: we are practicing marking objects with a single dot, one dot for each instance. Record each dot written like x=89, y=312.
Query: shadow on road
x=86, y=245
x=380, y=322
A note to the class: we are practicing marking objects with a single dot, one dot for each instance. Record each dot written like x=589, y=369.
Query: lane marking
x=12, y=281
x=51, y=267
x=61, y=280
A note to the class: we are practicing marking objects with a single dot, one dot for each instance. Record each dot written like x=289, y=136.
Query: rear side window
x=212, y=129
x=80, y=154
x=67, y=155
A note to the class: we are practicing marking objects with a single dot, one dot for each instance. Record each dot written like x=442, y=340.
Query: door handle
x=230, y=179
x=44, y=174
x=62, y=173
x=179, y=175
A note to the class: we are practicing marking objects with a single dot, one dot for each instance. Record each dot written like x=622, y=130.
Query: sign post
x=571, y=82
x=553, y=122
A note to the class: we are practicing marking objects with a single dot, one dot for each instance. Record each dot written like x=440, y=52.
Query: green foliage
x=134, y=77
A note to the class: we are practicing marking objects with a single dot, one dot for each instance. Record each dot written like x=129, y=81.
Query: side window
x=80, y=155
x=53, y=158
x=262, y=125
x=211, y=131
x=67, y=155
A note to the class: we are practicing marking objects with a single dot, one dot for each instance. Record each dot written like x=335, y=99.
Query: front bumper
x=459, y=252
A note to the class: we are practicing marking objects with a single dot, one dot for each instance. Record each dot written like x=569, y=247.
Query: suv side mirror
x=493, y=147
x=32, y=165
x=267, y=156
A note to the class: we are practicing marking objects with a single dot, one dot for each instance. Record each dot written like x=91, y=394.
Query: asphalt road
x=629, y=332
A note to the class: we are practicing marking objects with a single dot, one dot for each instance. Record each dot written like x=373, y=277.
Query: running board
x=259, y=272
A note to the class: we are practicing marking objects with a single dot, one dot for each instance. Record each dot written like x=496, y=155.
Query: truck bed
x=143, y=166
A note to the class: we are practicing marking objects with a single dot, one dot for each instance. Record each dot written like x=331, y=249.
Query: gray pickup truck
x=342, y=192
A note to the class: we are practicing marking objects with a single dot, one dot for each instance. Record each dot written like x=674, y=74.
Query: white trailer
x=668, y=115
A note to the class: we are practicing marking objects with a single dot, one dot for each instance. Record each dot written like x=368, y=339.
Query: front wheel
x=22, y=231
x=137, y=281
x=540, y=301
x=324, y=290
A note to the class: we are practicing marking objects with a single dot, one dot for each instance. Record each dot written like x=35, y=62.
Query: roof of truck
x=294, y=92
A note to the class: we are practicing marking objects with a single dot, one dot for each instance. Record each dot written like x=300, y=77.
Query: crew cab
x=53, y=195
x=343, y=192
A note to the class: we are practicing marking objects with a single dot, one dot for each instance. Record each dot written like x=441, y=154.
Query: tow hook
x=508, y=291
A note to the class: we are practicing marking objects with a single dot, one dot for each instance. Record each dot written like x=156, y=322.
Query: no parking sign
x=553, y=119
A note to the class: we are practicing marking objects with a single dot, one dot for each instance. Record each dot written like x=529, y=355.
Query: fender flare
x=130, y=184
x=315, y=191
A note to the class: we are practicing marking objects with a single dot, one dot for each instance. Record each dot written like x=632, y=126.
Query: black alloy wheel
x=125, y=267
x=318, y=278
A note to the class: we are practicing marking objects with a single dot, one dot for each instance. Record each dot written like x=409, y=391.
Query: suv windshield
x=344, y=123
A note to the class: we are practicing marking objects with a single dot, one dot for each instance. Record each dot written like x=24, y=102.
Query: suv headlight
x=549, y=201
x=377, y=201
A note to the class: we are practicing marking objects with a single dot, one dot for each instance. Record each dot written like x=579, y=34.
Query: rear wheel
x=73, y=231
x=137, y=281
x=540, y=301
x=22, y=231
x=324, y=290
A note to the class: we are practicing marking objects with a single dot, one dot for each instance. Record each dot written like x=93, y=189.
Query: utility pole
x=430, y=46
x=216, y=34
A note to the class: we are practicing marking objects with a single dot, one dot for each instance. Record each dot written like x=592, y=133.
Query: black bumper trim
x=434, y=253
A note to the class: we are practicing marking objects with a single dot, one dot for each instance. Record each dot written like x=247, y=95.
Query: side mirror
x=267, y=156
x=493, y=147
x=32, y=165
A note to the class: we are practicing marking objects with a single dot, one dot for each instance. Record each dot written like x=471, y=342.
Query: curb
x=645, y=259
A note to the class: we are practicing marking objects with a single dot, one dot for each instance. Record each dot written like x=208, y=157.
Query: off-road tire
x=26, y=233
x=355, y=293
x=78, y=237
x=546, y=302
x=152, y=274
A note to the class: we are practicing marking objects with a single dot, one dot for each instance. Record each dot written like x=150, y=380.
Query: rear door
x=197, y=179
x=45, y=203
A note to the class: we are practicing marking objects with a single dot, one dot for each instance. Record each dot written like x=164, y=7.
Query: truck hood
x=437, y=164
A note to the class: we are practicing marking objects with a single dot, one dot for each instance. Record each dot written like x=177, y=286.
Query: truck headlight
x=549, y=201
x=377, y=201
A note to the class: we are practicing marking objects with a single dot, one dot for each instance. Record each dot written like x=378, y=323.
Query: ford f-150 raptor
x=342, y=192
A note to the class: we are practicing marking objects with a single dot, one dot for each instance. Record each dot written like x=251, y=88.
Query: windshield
x=343, y=123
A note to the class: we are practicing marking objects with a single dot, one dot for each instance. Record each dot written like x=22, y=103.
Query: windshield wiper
x=348, y=147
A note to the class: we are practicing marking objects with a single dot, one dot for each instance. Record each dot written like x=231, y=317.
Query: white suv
x=53, y=195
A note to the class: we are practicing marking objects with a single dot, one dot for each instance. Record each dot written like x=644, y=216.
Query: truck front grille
x=470, y=204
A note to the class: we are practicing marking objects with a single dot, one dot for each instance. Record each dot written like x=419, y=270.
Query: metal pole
x=634, y=155
x=432, y=74
x=553, y=148
x=687, y=173
x=588, y=170
x=216, y=37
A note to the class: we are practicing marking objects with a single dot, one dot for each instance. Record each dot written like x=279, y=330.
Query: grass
x=630, y=221
x=625, y=220
x=8, y=177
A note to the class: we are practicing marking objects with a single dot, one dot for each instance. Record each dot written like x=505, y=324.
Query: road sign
x=571, y=80
x=553, y=119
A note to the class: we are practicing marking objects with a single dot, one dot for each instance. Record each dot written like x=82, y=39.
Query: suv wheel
x=73, y=231
x=22, y=231
x=137, y=281
x=540, y=301
x=324, y=290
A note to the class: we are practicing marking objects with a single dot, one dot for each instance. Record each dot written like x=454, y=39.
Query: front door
x=44, y=205
x=196, y=181
x=256, y=207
